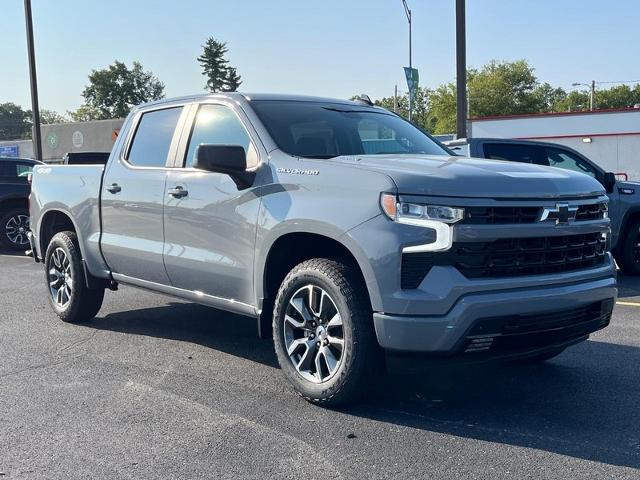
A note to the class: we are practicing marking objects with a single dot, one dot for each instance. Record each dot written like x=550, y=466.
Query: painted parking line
x=628, y=304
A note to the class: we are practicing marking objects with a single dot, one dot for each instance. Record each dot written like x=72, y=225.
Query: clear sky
x=323, y=47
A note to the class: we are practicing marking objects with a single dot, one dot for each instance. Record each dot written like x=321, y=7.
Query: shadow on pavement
x=190, y=322
x=628, y=286
x=584, y=404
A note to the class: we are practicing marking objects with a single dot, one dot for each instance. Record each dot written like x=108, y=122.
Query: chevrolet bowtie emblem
x=562, y=213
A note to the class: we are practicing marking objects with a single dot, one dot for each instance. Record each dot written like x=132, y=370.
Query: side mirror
x=228, y=159
x=609, y=181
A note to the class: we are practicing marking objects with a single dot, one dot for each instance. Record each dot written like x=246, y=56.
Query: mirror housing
x=227, y=159
x=609, y=181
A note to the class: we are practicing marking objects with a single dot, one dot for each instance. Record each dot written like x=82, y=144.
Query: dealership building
x=611, y=138
x=62, y=138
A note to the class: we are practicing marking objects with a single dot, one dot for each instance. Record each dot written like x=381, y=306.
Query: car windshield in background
x=326, y=130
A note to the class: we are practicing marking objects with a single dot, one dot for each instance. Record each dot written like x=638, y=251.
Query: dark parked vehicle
x=624, y=196
x=86, y=158
x=343, y=229
x=14, y=202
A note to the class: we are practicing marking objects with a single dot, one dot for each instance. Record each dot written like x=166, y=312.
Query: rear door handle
x=114, y=188
x=178, y=192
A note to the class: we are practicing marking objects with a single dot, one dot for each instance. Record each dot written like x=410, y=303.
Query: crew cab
x=14, y=207
x=624, y=196
x=344, y=230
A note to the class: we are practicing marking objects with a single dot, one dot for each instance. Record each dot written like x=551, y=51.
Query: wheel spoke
x=299, y=305
x=295, y=323
x=336, y=321
x=295, y=344
x=336, y=342
x=307, y=357
x=330, y=359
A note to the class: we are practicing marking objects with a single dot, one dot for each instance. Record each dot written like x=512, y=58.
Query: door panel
x=210, y=235
x=133, y=200
x=210, y=225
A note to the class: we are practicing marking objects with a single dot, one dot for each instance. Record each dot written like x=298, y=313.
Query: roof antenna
x=363, y=99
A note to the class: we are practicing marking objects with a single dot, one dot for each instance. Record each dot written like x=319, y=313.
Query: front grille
x=509, y=257
x=501, y=215
x=521, y=332
x=520, y=215
x=595, y=211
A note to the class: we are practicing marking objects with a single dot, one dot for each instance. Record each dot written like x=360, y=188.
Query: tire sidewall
x=630, y=266
x=325, y=390
x=66, y=243
x=4, y=239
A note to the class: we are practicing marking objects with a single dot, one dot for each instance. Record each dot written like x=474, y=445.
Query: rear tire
x=69, y=296
x=323, y=333
x=629, y=257
x=14, y=226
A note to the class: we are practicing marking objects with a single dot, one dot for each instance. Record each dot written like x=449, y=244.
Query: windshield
x=326, y=130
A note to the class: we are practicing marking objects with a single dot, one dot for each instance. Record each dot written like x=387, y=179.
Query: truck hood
x=475, y=177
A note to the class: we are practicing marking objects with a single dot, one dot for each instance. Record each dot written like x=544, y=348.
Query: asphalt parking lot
x=158, y=388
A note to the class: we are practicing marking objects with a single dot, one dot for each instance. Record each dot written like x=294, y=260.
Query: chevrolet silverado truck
x=347, y=232
x=624, y=196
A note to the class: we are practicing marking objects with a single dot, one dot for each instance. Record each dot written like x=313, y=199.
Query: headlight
x=417, y=213
x=437, y=217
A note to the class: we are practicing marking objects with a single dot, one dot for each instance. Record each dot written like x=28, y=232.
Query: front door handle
x=178, y=192
x=114, y=188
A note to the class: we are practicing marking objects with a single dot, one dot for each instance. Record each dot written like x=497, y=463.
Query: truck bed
x=75, y=191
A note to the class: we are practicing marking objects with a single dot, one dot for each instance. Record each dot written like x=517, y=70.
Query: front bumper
x=504, y=323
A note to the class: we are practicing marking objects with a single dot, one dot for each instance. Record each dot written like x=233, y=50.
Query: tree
x=113, y=91
x=15, y=123
x=49, y=117
x=84, y=113
x=220, y=76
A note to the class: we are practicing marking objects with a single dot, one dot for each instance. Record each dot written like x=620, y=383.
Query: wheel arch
x=288, y=250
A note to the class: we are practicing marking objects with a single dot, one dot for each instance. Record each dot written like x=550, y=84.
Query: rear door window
x=514, y=153
x=153, y=136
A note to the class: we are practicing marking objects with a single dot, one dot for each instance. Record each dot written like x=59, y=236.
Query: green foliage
x=15, y=123
x=504, y=88
x=49, y=117
x=84, y=113
x=115, y=90
x=220, y=76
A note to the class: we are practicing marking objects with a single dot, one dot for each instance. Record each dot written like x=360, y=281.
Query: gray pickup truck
x=343, y=229
x=624, y=196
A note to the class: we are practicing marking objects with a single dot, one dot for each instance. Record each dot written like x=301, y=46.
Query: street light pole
x=592, y=91
x=407, y=11
x=35, y=108
x=461, y=71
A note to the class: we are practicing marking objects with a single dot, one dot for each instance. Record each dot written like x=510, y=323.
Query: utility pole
x=395, y=100
x=461, y=71
x=407, y=11
x=593, y=94
x=35, y=108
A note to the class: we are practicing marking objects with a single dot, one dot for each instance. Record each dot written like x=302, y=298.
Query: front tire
x=69, y=296
x=14, y=226
x=629, y=257
x=323, y=332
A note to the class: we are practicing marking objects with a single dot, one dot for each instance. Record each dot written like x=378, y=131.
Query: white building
x=611, y=138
